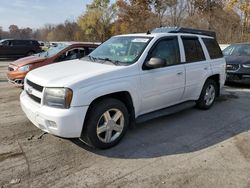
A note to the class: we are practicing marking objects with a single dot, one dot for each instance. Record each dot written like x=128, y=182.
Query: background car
x=62, y=52
x=44, y=45
x=238, y=61
x=18, y=48
x=223, y=46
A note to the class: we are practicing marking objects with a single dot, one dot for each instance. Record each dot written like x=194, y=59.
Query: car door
x=17, y=48
x=23, y=47
x=164, y=86
x=196, y=65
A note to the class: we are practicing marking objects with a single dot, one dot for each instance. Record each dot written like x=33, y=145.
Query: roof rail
x=183, y=30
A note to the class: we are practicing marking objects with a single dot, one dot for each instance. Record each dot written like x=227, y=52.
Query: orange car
x=62, y=52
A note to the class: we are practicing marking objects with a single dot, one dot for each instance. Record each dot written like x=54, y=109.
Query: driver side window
x=168, y=50
x=70, y=55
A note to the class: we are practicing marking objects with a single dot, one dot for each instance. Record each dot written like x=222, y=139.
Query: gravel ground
x=191, y=148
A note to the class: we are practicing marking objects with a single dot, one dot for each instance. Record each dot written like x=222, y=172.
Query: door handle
x=179, y=73
x=206, y=68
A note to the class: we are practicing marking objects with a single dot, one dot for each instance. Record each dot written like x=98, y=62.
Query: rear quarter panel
x=218, y=66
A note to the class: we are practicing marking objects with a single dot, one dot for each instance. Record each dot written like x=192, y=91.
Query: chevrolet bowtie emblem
x=29, y=90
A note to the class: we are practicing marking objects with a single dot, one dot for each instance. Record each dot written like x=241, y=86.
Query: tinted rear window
x=213, y=48
x=23, y=42
x=193, y=49
x=18, y=42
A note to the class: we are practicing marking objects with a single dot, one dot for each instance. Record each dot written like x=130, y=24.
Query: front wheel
x=208, y=95
x=106, y=123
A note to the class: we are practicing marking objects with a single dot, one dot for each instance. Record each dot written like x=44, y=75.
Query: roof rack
x=183, y=30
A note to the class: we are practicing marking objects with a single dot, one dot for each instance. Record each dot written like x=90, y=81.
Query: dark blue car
x=238, y=61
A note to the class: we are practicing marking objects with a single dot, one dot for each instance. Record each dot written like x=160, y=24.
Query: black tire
x=30, y=53
x=202, y=102
x=95, y=115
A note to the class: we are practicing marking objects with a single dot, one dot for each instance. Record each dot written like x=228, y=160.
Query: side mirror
x=155, y=62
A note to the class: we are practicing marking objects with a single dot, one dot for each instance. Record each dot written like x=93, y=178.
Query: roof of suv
x=173, y=31
x=163, y=34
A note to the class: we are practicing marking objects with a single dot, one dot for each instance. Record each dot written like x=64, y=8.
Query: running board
x=165, y=111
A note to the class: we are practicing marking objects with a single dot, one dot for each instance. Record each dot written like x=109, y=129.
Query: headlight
x=246, y=65
x=24, y=68
x=57, y=97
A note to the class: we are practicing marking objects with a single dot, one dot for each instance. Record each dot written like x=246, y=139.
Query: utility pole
x=209, y=5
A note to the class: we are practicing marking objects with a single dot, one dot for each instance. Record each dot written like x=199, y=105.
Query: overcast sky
x=36, y=13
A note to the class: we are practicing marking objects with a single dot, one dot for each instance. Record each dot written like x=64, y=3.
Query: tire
x=208, y=94
x=100, y=118
x=30, y=53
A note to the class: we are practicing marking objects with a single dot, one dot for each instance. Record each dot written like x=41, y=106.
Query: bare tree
x=161, y=7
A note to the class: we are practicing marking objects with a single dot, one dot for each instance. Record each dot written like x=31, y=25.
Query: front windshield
x=237, y=50
x=53, y=50
x=124, y=49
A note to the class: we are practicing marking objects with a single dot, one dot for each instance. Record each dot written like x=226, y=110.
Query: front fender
x=85, y=96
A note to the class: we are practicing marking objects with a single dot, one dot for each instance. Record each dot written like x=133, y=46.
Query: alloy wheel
x=209, y=95
x=110, y=125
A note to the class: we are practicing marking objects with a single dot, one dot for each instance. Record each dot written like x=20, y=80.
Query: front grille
x=35, y=86
x=10, y=69
x=37, y=99
x=233, y=67
x=36, y=96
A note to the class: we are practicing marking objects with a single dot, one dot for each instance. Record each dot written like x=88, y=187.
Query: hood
x=65, y=74
x=237, y=59
x=28, y=60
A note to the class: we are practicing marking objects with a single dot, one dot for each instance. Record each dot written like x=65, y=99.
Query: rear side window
x=212, y=48
x=18, y=43
x=193, y=49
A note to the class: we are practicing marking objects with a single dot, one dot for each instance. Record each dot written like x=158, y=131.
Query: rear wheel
x=208, y=95
x=106, y=123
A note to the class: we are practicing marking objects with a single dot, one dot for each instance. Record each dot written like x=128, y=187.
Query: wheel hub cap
x=110, y=125
x=210, y=95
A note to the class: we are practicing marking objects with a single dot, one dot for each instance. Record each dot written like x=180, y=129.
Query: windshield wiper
x=92, y=58
x=109, y=60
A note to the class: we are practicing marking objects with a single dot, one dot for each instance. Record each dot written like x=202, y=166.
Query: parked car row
x=96, y=92
x=129, y=78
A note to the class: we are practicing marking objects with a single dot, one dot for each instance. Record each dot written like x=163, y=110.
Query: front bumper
x=65, y=123
x=240, y=74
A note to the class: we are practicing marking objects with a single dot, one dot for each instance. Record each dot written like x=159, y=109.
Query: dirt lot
x=192, y=148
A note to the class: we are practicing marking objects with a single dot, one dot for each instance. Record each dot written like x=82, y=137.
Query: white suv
x=128, y=78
